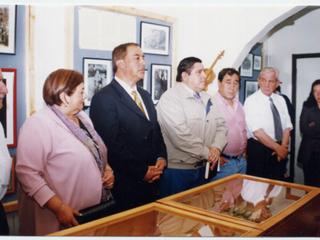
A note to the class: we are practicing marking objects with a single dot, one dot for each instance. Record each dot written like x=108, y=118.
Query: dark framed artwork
x=8, y=29
x=97, y=73
x=246, y=69
x=160, y=80
x=8, y=113
x=257, y=62
x=154, y=38
x=143, y=83
x=12, y=180
x=251, y=86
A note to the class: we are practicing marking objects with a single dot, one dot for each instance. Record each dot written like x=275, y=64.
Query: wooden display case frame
x=114, y=225
x=312, y=192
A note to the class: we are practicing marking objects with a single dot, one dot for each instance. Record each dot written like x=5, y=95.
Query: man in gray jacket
x=193, y=129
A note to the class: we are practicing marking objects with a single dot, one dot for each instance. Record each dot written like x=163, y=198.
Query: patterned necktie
x=138, y=101
x=197, y=95
x=276, y=121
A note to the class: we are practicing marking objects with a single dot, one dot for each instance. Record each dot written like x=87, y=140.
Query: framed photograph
x=143, y=83
x=12, y=180
x=160, y=80
x=257, y=62
x=246, y=69
x=250, y=88
x=97, y=73
x=154, y=38
x=8, y=113
x=8, y=29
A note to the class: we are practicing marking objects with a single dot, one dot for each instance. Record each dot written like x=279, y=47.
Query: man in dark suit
x=124, y=116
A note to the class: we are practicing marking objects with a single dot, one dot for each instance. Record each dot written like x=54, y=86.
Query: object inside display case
x=245, y=199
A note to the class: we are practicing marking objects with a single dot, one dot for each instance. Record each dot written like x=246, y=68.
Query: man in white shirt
x=193, y=129
x=268, y=128
x=5, y=164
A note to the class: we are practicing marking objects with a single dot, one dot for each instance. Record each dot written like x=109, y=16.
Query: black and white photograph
x=246, y=69
x=154, y=38
x=97, y=74
x=257, y=63
x=143, y=83
x=250, y=87
x=160, y=80
x=7, y=29
x=8, y=114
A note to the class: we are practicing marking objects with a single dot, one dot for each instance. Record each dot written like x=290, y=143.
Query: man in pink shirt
x=232, y=159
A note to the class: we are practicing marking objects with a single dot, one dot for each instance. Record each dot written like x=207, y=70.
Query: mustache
x=2, y=95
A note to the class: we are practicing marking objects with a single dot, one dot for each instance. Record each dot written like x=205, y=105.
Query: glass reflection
x=170, y=225
x=160, y=224
x=245, y=199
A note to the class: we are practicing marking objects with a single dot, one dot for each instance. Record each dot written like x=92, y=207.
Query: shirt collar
x=126, y=87
x=265, y=97
x=189, y=89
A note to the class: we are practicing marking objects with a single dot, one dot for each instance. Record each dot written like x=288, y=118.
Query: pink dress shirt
x=235, y=121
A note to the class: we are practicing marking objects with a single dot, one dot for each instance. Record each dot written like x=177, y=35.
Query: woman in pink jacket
x=61, y=160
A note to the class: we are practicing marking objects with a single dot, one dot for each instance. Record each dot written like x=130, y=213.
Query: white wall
x=203, y=31
x=297, y=37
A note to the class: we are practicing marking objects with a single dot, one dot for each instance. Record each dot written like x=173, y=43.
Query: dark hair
x=229, y=71
x=120, y=52
x=61, y=80
x=311, y=101
x=186, y=65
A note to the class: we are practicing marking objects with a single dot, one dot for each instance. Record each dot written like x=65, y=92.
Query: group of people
x=132, y=152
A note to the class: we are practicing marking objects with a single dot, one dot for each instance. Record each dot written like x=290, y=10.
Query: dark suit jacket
x=310, y=135
x=133, y=142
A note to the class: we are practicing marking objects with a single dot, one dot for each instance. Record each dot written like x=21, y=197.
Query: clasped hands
x=213, y=157
x=281, y=151
x=155, y=171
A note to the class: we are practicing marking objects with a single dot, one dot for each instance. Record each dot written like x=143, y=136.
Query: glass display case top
x=160, y=224
x=245, y=199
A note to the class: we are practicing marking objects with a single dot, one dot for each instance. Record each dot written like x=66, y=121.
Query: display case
x=158, y=220
x=247, y=201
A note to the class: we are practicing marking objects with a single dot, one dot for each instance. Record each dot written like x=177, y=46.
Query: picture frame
x=97, y=73
x=8, y=29
x=160, y=80
x=8, y=113
x=246, y=69
x=12, y=180
x=143, y=83
x=154, y=38
x=257, y=62
x=251, y=86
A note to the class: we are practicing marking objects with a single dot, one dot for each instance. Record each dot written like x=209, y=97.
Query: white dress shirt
x=259, y=114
